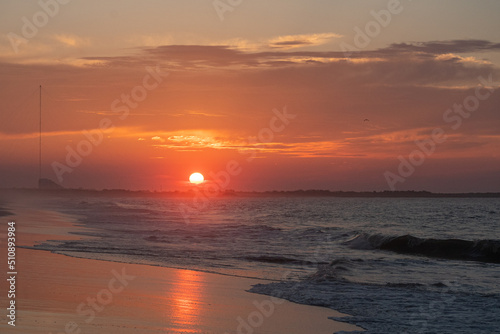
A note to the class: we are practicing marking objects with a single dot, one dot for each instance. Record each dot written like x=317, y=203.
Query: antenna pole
x=40, y=143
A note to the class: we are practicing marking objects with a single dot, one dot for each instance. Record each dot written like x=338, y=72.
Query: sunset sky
x=301, y=94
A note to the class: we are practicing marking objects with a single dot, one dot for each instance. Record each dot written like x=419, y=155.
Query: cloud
x=34, y=135
x=444, y=47
x=423, y=62
x=401, y=89
x=71, y=40
x=456, y=58
x=150, y=39
x=202, y=113
x=297, y=41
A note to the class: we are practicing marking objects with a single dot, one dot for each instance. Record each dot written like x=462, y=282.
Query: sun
x=196, y=178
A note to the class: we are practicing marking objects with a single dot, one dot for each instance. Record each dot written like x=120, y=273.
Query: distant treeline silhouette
x=273, y=193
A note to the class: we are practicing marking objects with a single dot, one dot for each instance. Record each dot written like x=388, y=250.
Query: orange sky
x=306, y=113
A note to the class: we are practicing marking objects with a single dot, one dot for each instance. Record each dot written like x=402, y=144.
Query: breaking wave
x=453, y=249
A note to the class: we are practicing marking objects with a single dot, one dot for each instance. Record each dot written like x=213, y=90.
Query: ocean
x=397, y=265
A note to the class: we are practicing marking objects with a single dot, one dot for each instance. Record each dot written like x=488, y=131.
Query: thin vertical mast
x=40, y=143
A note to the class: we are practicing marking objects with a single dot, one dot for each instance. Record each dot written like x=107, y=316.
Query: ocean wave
x=114, y=208
x=154, y=238
x=335, y=270
x=253, y=228
x=5, y=213
x=453, y=249
x=277, y=259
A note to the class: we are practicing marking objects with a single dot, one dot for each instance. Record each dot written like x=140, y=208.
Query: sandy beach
x=62, y=294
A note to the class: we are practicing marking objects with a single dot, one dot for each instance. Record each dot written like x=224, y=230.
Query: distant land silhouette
x=233, y=193
x=47, y=184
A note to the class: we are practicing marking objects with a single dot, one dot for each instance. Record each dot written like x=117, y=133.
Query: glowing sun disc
x=196, y=178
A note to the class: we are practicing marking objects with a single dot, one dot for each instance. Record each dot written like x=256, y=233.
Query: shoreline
x=66, y=294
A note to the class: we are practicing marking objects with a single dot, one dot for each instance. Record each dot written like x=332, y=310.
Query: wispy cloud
x=457, y=58
x=203, y=113
x=298, y=41
x=444, y=47
x=71, y=40
x=32, y=135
